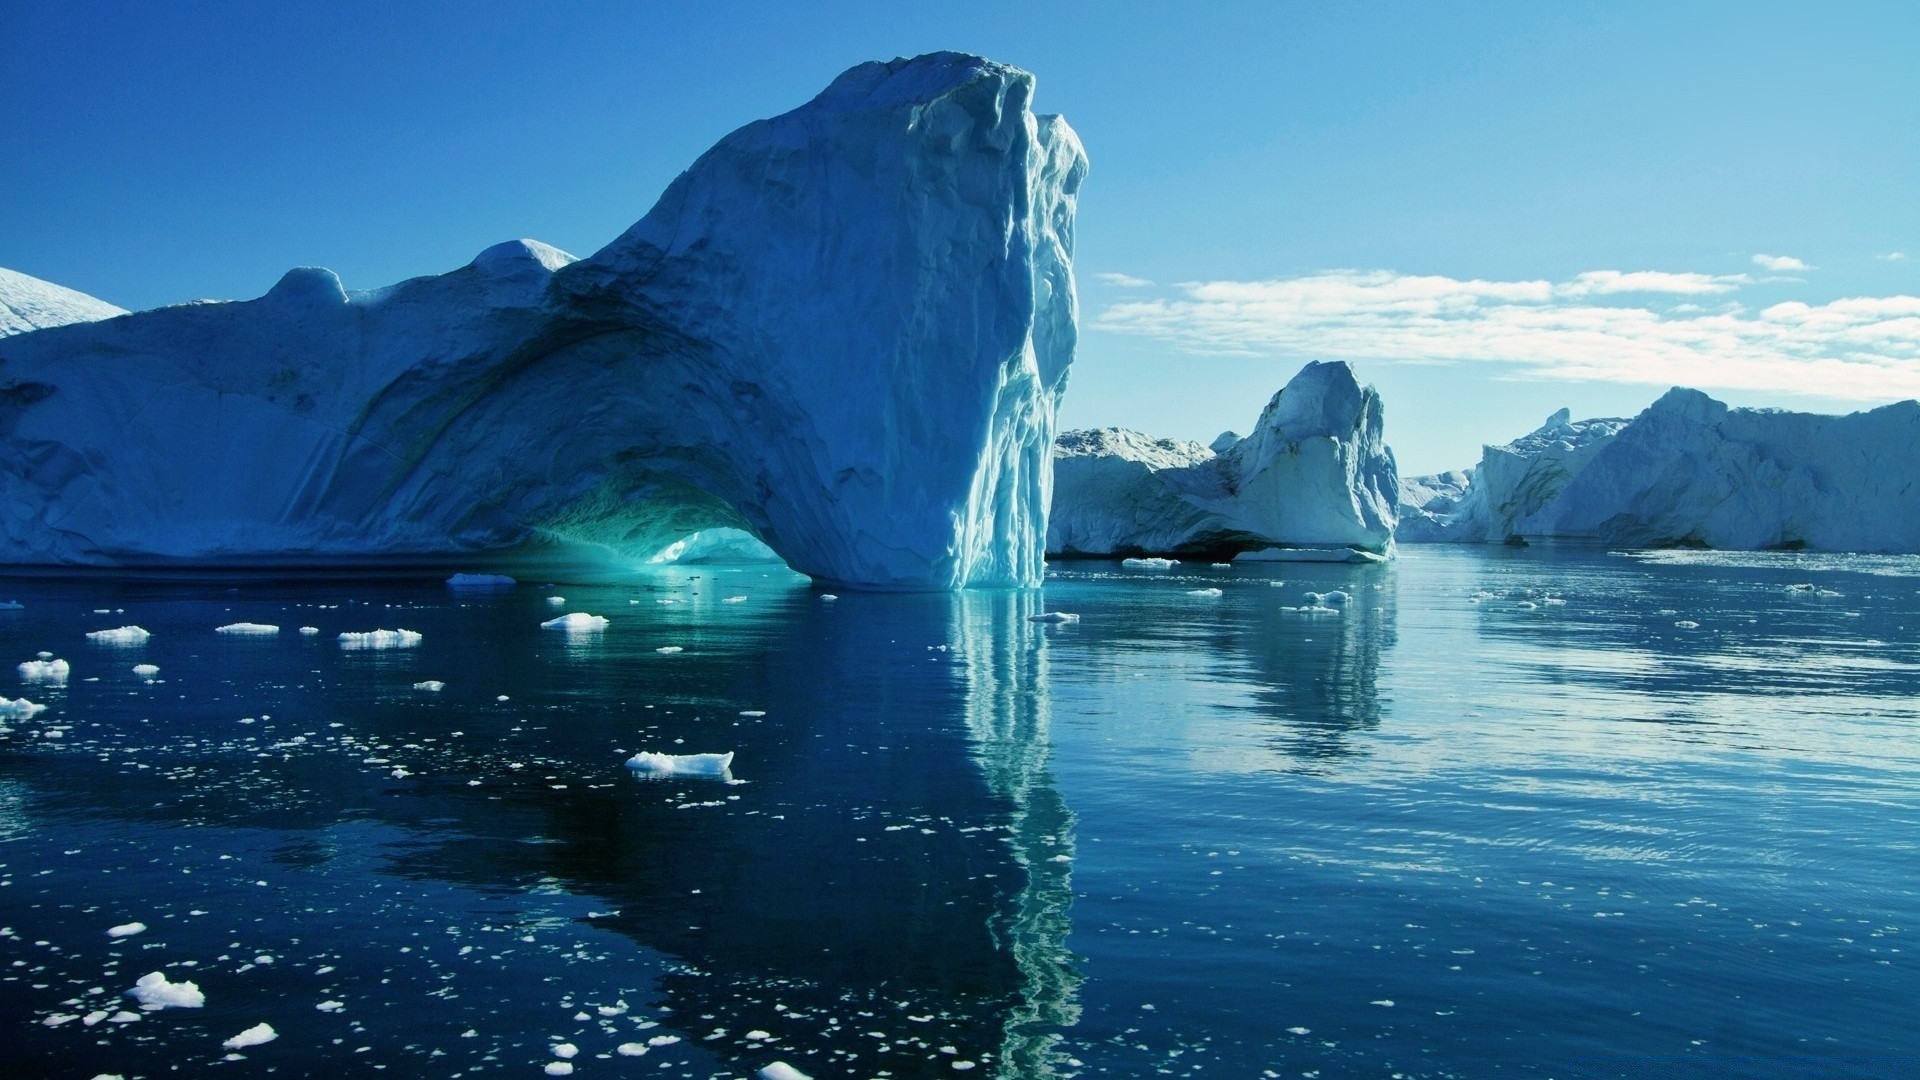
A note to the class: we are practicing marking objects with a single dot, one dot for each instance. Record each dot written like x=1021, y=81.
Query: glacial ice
x=154, y=992
x=27, y=303
x=1314, y=477
x=1691, y=472
x=715, y=766
x=120, y=635
x=843, y=330
x=19, y=709
x=1512, y=482
x=578, y=622
x=380, y=639
x=717, y=546
x=45, y=671
x=253, y=1036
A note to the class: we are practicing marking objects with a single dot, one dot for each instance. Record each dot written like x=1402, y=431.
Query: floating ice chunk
x=1150, y=563
x=578, y=622
x=146, y=671
x=663, y=1040
x=1687, y=624
x=556, y=601
x=119, y=635
x=566, y=1050
x=481, y=581
x=248, y=628
x=253, y=1036
x=12, y=605
x=780, y=1070
x=46, y=671
x=753, y=712
x=309, y=631
x=126, y=929
x=331, y=1006
x=1316, y=609
x=1223, y=566
x=154, y=992
x=701, y=765
x=1385, y=1003
x=559, y=1068
x=630, y=1049
x=1299, y=1031
x=1054, y=617
x=734, y=600
x=19, y=709
x=380, y=639
x=430, y=685
x=668, y=650
x=1205, y=592
x=827, y=596
x=1336, y=598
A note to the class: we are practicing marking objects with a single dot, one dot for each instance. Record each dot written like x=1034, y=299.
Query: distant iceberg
x=1315, y=477
x=1692, y=472
x=843, y=330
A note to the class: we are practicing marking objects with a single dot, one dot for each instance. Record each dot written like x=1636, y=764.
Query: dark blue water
x=1511, y=813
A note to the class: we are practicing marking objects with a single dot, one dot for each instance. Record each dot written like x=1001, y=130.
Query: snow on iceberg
x=1512, y=482
x=711, y=766
x=120, y=635
x=154, y=992
x=380, y=639
x=1315, y=475
x=45, y=671
x=578, y=622
x=27, y=303
x=843, y=330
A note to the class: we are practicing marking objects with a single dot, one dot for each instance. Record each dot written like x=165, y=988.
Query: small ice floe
x=331, y=1006
x=1223, y=566
x=248, y=629
x=578, y=622
x=827, y=596
x=1686, y=624
x=556, y=601
x=432, y=686
x=119, y=635
x=1054, y=617
x=380, y=639
x=669, y=650
x=154, y=992
x=1336, y=598
x=780, y=1070
x=1205, y=592
x=559, y=1068
x=12, y=605
x=1385, y=1003
x=146, y=671
x=753, y=712
x=708, y=766
x=733, y=600
x=253, y=1036
x=19, y=709
x=45, y=671
x=1150, y=564
x=481, y=581
x=566, y=1051
x=126, y=929
x=630, y=1049
x=309, y=631
x=1804, y=587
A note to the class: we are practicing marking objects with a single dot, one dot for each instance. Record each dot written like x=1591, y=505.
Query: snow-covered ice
x=380, y=639
x=430, y=685
x=253, y=1036
x=119, y=635
x=45, y=671
x=154, y=992
x=698, y=765
x=780, y=1070
x=248, y=629
x=27, y=303
x=19, y=709
x=146, y=671
x=1316, y=474
x=578, y=622
x=844, y=329
x=126, y=929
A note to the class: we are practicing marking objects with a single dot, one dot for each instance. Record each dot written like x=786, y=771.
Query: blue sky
x=1493, y=210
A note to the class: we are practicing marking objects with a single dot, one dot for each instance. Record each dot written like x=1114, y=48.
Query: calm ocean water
x=1525, y=813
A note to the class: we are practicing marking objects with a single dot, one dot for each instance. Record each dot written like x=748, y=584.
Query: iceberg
x=1512, y=482
x=1315, y=478
x=19, y=709
x=843, y=330
x=709, y=766
x=27, y=303
x=120, y=635
x=154, y=993
x=578, y=622
x=380, y=639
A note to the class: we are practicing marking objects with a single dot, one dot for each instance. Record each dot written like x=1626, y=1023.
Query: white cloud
x=1893, y=256
x=1779, y=262
x=1124, y=281
x=1603, y=325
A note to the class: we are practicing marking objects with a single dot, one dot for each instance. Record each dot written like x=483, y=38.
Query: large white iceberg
x=27, y=303
x=1690, y=471
x=1512, y=482
x=1314, y=478
x=843, y=330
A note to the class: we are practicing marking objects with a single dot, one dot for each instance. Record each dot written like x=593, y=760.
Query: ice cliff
x=27, y=303
x=1690, y=471
x=1314, y=478
x=843, y=330
x=1484, y=504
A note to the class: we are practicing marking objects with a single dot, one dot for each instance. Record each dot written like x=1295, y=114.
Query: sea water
x=1527, y=813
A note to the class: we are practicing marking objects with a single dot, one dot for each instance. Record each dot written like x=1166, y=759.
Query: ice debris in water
x=780, y=1070
x=669, y=650
x=1150, y=564
x=1205, y=592
x=146, y=671
x=380, y=639
x=12, y=605
x=253, y=1036
x=126, y=929
x=431, y=685
x=119, y=635
x=1054, y=617
x=1687, y=624
x=154, y=992
x=578, y=622
x=705, y=765
x=247, y=628
x=630, y=1049
x=19, y=709
x=559, y=1068
x=47, y=671
x=1336, y=598
x=566, y=1050
x=556, y=601
x=481, y=581
x=309, y=631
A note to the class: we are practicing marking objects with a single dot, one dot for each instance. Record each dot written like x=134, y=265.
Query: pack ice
x=1315, y=479
x=1690, y=471
x=843, y=330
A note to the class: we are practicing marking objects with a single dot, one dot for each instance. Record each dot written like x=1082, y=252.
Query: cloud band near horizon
x=1643, y=327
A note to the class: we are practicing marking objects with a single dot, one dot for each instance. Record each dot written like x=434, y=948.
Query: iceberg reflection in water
x=1498, y=811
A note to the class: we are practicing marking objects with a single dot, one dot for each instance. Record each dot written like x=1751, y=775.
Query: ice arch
x=844, y=330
